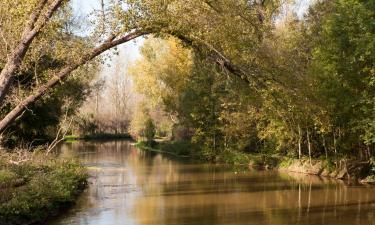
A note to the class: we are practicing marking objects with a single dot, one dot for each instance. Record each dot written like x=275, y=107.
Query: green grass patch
x=8, y=178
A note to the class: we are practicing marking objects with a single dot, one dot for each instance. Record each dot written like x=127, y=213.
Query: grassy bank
x=187, y=149
x=178, y=149
x=101, y=136
x=38, y=188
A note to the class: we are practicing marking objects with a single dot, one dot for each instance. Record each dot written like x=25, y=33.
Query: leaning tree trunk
x=36, y=22
x=56, y=78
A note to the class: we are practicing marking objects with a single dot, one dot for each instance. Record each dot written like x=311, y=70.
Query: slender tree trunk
x=324, y=146
x=299, y=142
x=334, y=142
x=110, y=43
x=214, y=134
x=32, y=28
x=309, y=144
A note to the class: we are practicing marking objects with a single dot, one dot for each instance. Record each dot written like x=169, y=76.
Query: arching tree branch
x=36, y=22
x=63, y=73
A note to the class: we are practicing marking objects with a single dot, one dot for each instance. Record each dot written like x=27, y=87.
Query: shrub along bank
x=37, y=188
x=98, y=136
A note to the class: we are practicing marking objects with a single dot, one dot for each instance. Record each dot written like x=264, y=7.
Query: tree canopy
x=229, y=75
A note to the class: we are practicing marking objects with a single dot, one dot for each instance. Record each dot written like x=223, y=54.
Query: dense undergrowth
x=38, y=188
x=98, y=136
x=371, y=177
x=339, y=167
x=195, y=152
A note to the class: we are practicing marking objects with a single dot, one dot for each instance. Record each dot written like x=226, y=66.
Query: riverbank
x=344, y=169
x=99, y=136
x=355, y=170
x=37, y=187
x=176, y=149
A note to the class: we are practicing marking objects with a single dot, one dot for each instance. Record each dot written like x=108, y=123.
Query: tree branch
x=64, y=72
x=32, y=28
x=35, y=16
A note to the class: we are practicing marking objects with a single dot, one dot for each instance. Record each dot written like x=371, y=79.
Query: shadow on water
x=133, y=187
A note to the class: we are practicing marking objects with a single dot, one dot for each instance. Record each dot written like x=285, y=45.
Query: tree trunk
x=299, y=142
x=324, y=146
x=32, y=28
x=110, y=43
x=334, y=142
x=309, y=144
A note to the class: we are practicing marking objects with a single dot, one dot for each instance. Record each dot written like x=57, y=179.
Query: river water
x=132, y=187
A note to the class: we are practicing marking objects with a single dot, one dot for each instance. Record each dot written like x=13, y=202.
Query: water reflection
x=137, y=188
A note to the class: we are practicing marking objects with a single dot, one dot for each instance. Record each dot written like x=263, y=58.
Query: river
x=133, y=187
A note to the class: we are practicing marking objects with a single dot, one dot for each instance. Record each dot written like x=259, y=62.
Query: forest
x=238, y=76
x=219, y=80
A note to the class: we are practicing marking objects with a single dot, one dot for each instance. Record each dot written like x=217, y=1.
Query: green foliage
x=233, y=157
x=142, y=125
x=149, y=130
x=371, y=177
x=224, y=75
x=180, y=148
x=97, y=136
x=372, y=162
x=53, y=48
x=310, y=81
x=47, y=186
x=7, y=178
x=344, y=64
x=175, y=148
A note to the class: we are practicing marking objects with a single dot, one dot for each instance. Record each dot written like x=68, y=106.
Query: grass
x=34, y=190
x=7, y=178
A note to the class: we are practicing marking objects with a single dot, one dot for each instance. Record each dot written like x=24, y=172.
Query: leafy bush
x=182, y=148
x=372, y=162
x=149, y=130
x=48, y=186
x=7, y=177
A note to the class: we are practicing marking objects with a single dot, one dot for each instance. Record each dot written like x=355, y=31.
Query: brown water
x=131, y=187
